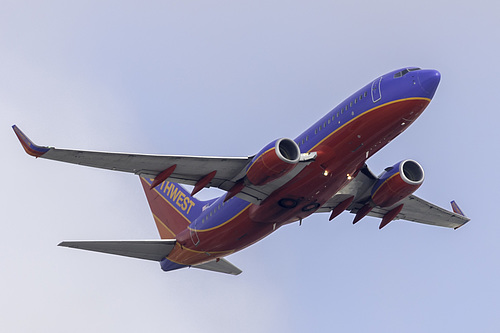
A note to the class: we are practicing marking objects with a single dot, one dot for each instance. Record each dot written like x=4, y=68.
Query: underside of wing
x=155, y=250
x=418, y=210
x=357, y=195
x=200, y=171
x=186, y=169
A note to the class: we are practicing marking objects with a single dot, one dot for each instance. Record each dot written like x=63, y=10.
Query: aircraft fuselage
x=343, y=140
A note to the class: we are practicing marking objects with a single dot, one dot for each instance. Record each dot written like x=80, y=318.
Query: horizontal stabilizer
x=142, y=249
x=219, y=265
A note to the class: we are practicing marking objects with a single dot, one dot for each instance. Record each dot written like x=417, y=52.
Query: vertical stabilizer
x=172, y=206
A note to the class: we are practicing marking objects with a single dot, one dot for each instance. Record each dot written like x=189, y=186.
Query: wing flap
x=418, y=210
x=414, y=209
x=189, y=169
x=154, y=250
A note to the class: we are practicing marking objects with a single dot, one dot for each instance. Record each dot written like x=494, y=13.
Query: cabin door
x=376, y=94
x=194, y=234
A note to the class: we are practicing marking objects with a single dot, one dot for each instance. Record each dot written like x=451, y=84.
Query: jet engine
x=273, y=161
x=397, y=182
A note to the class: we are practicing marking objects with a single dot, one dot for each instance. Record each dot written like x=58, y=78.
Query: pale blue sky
x=225, y=78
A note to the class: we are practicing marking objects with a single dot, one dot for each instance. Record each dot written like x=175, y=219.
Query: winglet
x=456, y=209
x=29, y=146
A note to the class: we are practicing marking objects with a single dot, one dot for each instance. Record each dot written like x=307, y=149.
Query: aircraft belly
x=220, y=242
x=340, y=156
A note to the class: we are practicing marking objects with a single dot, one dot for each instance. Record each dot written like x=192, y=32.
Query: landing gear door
x=376, y=93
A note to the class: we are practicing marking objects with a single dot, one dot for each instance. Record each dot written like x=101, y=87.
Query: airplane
x=321, y=170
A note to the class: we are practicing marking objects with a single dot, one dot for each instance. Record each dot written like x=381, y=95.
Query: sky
x=225, y=78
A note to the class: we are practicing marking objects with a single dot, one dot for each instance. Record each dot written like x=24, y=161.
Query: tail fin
x=172, y=206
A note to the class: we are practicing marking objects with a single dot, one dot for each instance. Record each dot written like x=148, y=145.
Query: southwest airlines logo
x=175, y=195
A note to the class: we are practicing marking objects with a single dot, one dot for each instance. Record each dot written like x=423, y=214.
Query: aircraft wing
x=220, y=172
x=188, y=169
x=414, y=209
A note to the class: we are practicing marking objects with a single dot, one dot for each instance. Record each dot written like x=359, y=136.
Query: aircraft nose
x=429, y=81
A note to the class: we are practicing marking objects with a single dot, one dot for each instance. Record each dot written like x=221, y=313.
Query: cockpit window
x=399, y=74
x=406, y=71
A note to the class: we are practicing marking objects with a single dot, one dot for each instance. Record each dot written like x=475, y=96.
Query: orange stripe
x=374, y=194
x=258, y=158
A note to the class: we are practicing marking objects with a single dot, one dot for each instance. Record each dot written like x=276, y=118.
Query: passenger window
x=329, y=121
x=324, y=124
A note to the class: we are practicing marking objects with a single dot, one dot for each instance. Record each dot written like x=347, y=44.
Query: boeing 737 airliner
x=322, y=170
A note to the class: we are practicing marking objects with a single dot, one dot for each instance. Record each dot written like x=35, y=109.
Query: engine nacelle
x=273, y=161
x=397, y=182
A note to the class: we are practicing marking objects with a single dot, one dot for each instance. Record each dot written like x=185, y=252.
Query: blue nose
x=429, y=81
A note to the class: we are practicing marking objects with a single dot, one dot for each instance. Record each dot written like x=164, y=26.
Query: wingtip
x=456, y=209
x=29, y=146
